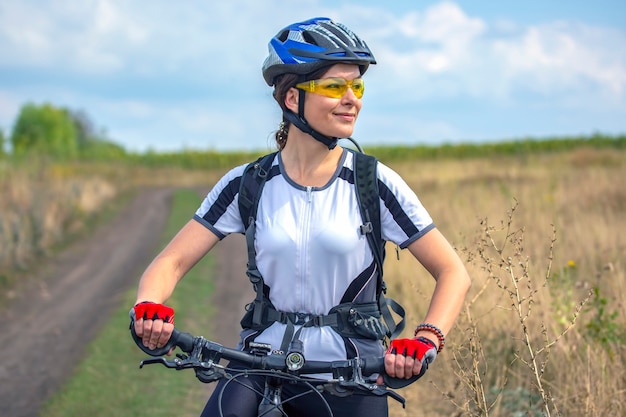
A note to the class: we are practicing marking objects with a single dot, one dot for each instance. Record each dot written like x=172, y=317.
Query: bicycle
x=204, y=356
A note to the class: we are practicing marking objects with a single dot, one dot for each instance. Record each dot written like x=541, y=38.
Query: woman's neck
x=309, y=162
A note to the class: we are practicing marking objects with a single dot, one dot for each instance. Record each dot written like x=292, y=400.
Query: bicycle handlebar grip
x=178, y=339
x=371, y=366
x=377, y=365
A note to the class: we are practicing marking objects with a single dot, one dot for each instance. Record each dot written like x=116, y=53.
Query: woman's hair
x=281, y=86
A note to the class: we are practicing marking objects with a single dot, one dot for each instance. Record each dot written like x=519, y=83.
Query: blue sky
x=166, y=75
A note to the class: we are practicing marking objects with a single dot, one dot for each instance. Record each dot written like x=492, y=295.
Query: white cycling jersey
x=310, y=249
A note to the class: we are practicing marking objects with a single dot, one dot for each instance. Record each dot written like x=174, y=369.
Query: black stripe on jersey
x=274, y=171
x=225, y=199
x=227, y=196
x=347, y=175
x=401, y=218
x=356, y=292
x=351, y=351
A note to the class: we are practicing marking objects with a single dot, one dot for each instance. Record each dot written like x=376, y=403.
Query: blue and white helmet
x=304, y=47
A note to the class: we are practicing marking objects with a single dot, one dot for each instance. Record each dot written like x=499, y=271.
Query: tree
x=93, y=143
x=85, y=131
x=46, y=130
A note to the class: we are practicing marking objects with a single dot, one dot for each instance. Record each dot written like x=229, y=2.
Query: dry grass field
x=543, y=329
x=43, y=204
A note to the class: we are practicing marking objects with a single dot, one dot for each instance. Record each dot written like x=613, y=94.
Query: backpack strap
x=366, y=182
x=252, y=182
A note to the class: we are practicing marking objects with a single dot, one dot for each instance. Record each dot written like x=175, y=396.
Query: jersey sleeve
x=403, y=217
x=219, y=210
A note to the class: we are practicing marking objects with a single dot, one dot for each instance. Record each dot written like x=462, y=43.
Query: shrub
x=45, y=130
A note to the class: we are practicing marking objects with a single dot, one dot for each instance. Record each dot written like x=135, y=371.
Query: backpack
x=364, y=320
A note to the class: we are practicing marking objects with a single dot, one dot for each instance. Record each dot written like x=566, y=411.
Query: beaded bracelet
x=435, y=330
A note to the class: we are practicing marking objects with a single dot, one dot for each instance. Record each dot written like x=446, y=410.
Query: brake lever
x=181, y=362
x=165, y=362
x=384, y=391
x=347, y=388
x=347, y=382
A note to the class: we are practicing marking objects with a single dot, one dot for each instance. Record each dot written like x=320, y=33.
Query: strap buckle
x=366, y=228
x=300, y=319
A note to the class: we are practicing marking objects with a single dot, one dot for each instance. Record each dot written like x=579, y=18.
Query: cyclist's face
x=334, y=117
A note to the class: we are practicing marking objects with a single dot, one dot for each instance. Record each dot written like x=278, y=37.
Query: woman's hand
x=407, y=358
x=154, y=324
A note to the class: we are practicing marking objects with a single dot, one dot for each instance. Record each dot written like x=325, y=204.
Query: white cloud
x=433, y=41
x=446, y=23
x=565, y=56
x=116, y=36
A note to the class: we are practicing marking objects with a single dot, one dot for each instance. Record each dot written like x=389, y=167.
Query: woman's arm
x=158, y=281
x=452, y=283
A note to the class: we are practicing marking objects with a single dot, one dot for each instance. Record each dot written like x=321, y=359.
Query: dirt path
x=78, y=291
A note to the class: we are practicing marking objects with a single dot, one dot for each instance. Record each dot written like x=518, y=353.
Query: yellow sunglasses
x=333, y=87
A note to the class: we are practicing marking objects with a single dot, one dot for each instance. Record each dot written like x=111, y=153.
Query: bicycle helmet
x=304, y=47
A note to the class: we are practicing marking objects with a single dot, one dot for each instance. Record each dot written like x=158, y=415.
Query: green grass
x=108, y=381
x=199, y=159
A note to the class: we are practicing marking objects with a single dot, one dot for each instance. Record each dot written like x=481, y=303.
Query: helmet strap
x=300, y=122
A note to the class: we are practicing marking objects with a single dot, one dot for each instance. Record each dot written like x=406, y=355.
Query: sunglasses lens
x=334, y=87
x=358, y=87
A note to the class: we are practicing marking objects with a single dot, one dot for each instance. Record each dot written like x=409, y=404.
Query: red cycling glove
x=148, y=310
x=420, y=348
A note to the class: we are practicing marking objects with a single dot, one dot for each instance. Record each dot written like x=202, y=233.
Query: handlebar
x=186, y=342
x=204, y=356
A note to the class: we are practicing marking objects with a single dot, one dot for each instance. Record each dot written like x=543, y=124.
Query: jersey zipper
x=305, y=227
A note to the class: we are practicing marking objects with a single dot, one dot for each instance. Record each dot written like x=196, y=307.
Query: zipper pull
x=308, y=193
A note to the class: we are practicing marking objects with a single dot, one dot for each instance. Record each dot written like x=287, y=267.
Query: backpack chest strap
x=302, y=319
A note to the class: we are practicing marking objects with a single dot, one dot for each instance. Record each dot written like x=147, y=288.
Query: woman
x=307, y=250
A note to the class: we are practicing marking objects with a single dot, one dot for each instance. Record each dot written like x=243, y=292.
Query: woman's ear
x=292, y=98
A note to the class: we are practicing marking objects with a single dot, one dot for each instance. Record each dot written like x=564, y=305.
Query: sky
x=168, y=76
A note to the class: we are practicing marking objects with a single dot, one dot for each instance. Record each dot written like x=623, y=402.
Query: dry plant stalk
x=506, y=265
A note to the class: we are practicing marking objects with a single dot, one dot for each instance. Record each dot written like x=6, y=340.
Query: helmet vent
x=283, y=36
x=309, y=39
